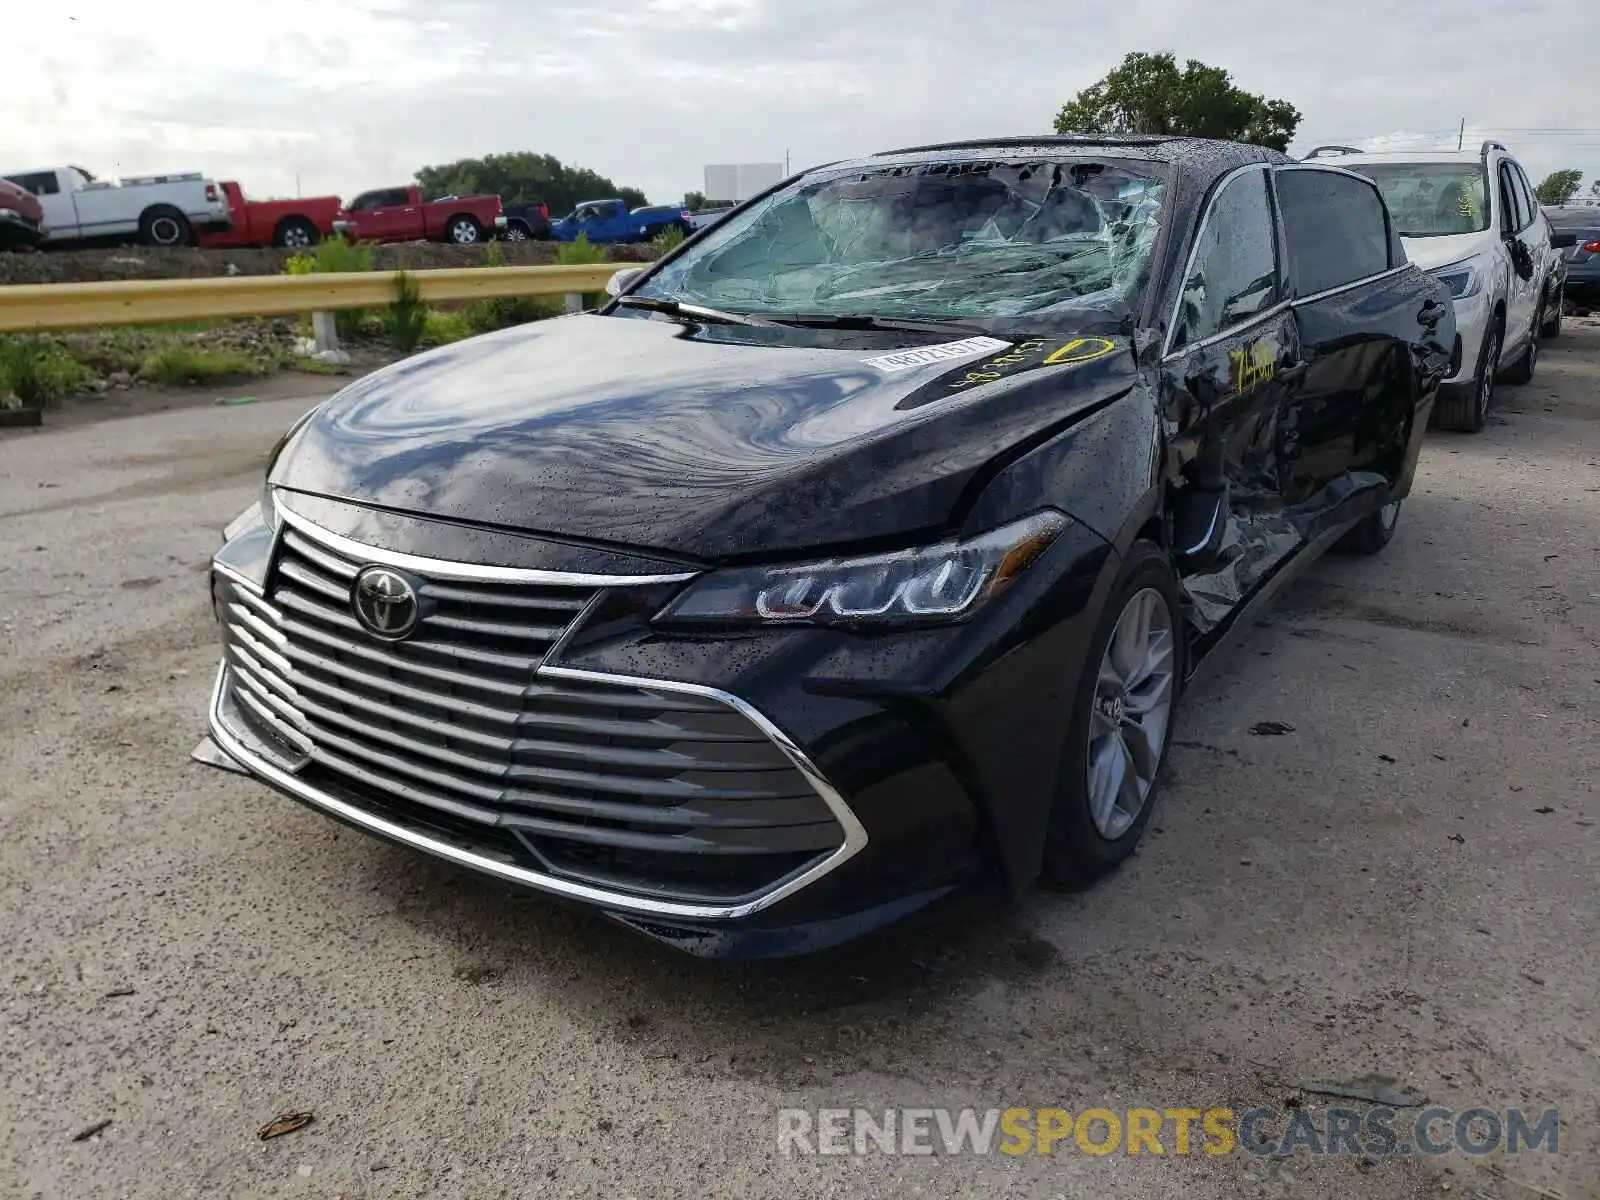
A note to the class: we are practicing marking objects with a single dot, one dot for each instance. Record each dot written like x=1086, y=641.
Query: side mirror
x=1563, y=241
x=619, y=282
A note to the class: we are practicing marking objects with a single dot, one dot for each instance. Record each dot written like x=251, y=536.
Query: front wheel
x=1551, y=327
x=516, y=233
x=1120, y=724
x=296, y=234
x=1464, y=411
x=463, y=231
x=1373, y=532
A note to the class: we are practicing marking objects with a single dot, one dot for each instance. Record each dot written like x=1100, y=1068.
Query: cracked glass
x=937, y=240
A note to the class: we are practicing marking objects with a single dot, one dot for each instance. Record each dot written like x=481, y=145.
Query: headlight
x=264, y=511
x=1463, y=279
x=940, y=583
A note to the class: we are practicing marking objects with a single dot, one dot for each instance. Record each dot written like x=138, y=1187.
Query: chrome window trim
x=1266, y=314
x=1353, y=284
x=855, y=834
x=468, y=572
x=1194, y=250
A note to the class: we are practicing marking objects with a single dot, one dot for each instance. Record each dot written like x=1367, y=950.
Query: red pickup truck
x=399, y=215
x=21, y=217
x=293, y=224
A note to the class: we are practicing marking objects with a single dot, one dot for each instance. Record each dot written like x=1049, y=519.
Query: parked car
x=708, y=218
x=857, y=549
x=1582, y=258
x=160, y=210
x=605, y=221
x=1470, y=217
x=527, y=222
x=21, y=217
x=401, y=215
x=291, y=224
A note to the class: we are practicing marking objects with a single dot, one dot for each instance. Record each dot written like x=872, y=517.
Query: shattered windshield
x=1432, y=199
x=934, y=240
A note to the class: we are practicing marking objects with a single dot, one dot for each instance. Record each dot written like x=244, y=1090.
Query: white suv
x=1471, y=219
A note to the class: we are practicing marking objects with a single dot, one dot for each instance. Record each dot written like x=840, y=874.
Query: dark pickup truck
x=21, y=217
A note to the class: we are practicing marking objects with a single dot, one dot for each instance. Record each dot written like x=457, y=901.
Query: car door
x=1360, y=312
x=1523, y=286
x=1231, y=352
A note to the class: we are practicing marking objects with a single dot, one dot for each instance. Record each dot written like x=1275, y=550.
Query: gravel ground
x=1406, y=885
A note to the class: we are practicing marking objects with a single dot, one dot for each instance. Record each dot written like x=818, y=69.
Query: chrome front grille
x=646, y=789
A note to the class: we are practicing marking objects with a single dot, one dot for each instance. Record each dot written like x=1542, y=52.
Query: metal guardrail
x=34, y=308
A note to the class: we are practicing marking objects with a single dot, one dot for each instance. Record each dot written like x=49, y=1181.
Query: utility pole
x=1462, y=133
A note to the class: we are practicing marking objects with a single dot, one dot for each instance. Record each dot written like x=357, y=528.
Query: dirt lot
x=1404, y=885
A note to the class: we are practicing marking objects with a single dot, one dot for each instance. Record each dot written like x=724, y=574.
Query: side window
x=1235, y=271
x=363, y=202
x=395, y=198
x=1528, y=199
x=1517, y=215
x=1336, y=225
x=40, y=183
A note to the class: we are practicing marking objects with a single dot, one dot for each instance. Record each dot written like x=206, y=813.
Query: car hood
x=1431, y=252
x=708, y=442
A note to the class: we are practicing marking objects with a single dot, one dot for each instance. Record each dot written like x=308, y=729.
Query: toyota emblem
x=386, y=604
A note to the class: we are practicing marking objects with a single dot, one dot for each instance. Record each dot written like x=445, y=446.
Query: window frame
x=1512, y=191
x=1279, y=258
x=1391, y=235
x=51, y=177
x=1528, y=194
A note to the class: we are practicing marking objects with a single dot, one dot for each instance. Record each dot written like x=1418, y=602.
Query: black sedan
x=857, y=550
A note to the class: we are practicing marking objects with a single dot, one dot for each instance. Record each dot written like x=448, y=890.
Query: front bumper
x=1473, y=315
x=18, y=226
x=928, y=753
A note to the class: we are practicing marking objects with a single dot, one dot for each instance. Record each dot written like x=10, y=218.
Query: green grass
x=39, y=372
x=442, y=328
x=175, y=365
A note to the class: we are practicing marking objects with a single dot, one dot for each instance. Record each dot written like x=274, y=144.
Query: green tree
x=1149, y=94
x=524, y=178
x=695, y=201
x=1594, y=188
x=1558, y=187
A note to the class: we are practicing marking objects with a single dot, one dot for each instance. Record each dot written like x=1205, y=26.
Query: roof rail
x=185, y=177
x=1047, y=139
x=1491, y=144
x=1331, y=150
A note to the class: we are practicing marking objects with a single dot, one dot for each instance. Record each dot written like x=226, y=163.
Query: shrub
x=442, y=328
x=502, y=312
x=38, y=371
x=668, y=240
x=406, y=319
x=174, y=365
x=331, y=256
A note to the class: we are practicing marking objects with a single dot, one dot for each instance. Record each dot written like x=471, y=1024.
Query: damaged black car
x=857, y=550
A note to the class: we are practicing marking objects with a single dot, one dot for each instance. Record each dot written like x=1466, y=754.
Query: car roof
x=1340, y=155
x=1202, y=154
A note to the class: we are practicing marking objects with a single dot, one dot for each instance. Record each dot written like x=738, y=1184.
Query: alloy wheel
x=1133, y=698
x=516, y=234
x=296, y=238
x=164, y=231
x=463, y=233
x=1491, y=367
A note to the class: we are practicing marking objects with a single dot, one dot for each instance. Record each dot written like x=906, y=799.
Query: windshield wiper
x=676, y=308
x=869, y=321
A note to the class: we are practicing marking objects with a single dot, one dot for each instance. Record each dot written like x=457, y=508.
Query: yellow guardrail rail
x=31, y=308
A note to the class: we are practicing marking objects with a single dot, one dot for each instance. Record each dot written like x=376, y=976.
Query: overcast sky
x=350, y=95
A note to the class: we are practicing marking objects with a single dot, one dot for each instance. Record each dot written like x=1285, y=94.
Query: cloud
x=649, y=91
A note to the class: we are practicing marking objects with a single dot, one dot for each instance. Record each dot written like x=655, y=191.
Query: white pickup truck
x=160, y=210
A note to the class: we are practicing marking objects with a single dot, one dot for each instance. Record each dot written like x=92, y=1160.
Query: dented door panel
x=1225, y=401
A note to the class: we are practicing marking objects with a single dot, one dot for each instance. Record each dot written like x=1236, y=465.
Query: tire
x=296, y=233
x=166, y=227
x=1373, y=532
x=1552, y=327
x=1086, y=841
x=1466, y=413
x=1521, y=371
x=463, y=231
x=516, y=231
